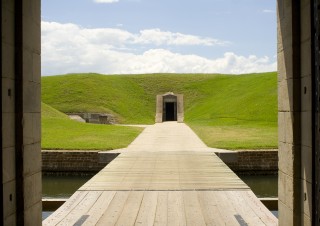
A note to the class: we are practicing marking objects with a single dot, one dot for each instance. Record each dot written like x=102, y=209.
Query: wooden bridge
x=167, y=176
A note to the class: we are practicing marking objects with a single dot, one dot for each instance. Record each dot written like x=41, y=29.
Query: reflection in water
x=62, y=186
x=275, y=212
x=262, y=185
x=46, y=214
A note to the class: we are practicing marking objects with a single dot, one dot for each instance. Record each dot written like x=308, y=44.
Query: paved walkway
x=168, y=136
x=167, y=176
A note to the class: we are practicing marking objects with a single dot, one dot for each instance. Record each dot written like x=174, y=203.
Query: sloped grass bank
x=226, y=111
x=239, y=112
x=59, y=132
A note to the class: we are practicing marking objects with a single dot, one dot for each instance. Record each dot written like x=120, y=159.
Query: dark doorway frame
x=1, y=158
x=19, y=110
x=315, y=30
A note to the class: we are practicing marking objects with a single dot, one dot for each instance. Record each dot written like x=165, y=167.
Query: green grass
x=59, y=132
x=96, y=93
x=226, y=111
x=237, y=137
x=239, y=112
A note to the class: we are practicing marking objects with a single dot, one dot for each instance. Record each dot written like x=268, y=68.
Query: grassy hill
x=60, y=132
x=226, y=111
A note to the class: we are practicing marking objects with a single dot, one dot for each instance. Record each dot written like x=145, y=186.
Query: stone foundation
x=251, y=162
x=75, y=161
x=95, y=118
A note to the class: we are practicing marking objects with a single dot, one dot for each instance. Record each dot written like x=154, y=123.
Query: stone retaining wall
x=75, y=161
x=252, y=162
x=255, y=162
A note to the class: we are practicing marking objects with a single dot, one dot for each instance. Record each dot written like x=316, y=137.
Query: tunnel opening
x=169, y=107
x=170, y=111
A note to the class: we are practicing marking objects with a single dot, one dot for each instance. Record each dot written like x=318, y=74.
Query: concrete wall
x=159, y=107
x=306, y=114
x=180, y=108
x=96, y=118
x=295, y=106
x=20, y=83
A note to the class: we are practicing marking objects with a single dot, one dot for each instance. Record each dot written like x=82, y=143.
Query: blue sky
x=150, y=36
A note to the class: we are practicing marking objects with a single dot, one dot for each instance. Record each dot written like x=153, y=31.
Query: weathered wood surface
x=165, y=171
x=164, y=187
x=164, y=208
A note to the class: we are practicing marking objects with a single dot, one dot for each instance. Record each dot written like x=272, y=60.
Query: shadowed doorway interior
x=169, y=108
x=170, y=111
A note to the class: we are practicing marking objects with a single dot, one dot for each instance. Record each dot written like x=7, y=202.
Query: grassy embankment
x=60, y=132
x=226, y=111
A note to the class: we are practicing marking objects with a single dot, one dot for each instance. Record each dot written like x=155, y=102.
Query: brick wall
x=93, y=161
x=265, y=161
x=75, y=161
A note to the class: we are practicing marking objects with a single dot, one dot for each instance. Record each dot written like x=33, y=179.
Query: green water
x=262, y=185
x=62, y=186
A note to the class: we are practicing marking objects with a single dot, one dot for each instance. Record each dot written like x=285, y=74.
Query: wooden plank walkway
x=152, y=184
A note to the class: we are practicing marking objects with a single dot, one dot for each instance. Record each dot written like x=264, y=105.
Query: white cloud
x=158, y=37
x=117, y=36
x=268, y=11
x=106, y=1
x=68, y=48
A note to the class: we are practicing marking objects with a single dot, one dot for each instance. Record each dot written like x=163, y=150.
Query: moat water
x=63, y=186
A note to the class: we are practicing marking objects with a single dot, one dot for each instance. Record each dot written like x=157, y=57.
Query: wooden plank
x=65, y=209
x=114, y=209
x=147, y=212
x=256, y=206
x=131, y=209
x=165, y=171
x=162, y=209
x=81, y=209
x=209, y=208
x=176, y=212
x=99, y=208
x=192, y=208
x=241, y=207
x=225, y=209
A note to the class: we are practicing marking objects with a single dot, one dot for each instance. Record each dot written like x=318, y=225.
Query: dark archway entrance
x=170, y=111
x=169, y=108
